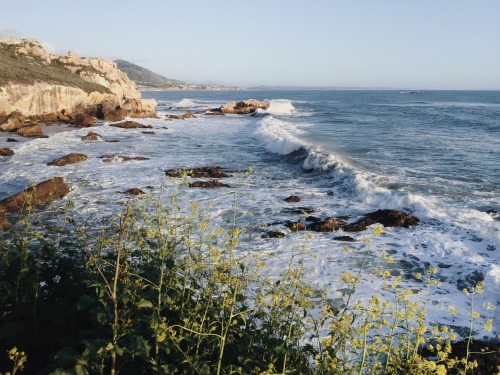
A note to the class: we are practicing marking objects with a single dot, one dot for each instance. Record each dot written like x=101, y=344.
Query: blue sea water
x=434, y=154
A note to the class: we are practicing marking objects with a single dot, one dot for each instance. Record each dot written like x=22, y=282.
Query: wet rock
x=470, y=281
x=181, y=117
x=312, y=219
x=292, y=199
x=148, y=133
x=214, y=112
x=244, y=106
x=273, y=234
x=113, y=141
x=344, y=238
x=84, y=120
x=5, y=151
x=200, y=172
x=117, y=158
x=135, y=191
x=68, y=159
x=327, y=225
x=110, y=112
x=388, y=218
x=43, y=193
x=31, y=131
x=91, y=136
x=11, y=140
x=131, y=125
x=299, y=210
x=295, y=226
x=207, y=184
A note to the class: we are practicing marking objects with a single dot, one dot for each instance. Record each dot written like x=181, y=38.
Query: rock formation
x=244, y=107
x=68, y=159
x=34, y=82
x=5, y=151
x=91, y=136
x=131, y=125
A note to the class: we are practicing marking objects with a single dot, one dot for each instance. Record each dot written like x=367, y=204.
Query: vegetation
x=161, y=289
x=17, y=68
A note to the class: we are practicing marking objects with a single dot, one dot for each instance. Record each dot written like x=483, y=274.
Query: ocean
x=433, y=154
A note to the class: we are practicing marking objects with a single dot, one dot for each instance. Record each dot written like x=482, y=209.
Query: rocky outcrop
x=244, y=107
x=31, y=131
x=5, y=151
x=68, y=159
x=131, y=125
x=181, y=117
x=327, y=225
x=53, y=83
x=91, y=136
x=39, y=195
x=292, y=199
x=386, y=217
x=84, y=120
x=12, y=122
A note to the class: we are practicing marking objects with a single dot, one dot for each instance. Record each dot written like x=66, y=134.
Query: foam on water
x=186, y=103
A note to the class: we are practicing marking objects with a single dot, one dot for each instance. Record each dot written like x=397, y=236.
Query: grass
x=19, y=69
x=161, y=289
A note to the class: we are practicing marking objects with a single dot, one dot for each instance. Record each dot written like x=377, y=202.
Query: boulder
x=33, y=130
x=68, y=159
x=181, y=117
x=244, y=107
x=41, y=194
x=5, y=151
x=201, y=172
x=327, y=225
x=49, y=117
x=131, y=125
x=11, y=140
x=292, y=199
x=386, y=217
x=135, y=191
x=13, y=122
x=84, y=120
x=207, y=184
x=91, y=136
x=110, y=112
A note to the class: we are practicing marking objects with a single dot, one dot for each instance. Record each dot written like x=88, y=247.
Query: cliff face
x=34, y=82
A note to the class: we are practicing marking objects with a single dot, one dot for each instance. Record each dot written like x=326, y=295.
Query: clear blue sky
x=435, y=44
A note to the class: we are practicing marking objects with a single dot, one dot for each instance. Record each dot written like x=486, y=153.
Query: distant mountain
x=145, y=77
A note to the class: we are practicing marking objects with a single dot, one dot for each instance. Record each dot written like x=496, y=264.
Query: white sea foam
x=186, y=103
x=281, y=107
x=276, y=136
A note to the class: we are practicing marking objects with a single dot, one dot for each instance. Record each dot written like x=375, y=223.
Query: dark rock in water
x=148, y=132
x=470, y=281
x=135, y=191
x=91, y=136
x=181, y=117
x=273, y=234
x=312, y=219
x=344, y=238
x=113, y=141
x=388, y=218
x=131, y=125
x=113, y=158
x=327, y=225
x=244, y=106
x=492, y=212
x=68, y=159
x=292, y=199
x=12, y=140
x=41, y=194
x=84, y=120
x=295, y=225
x=5, y=151
x=207, y=184
x=299, y=210
x=201, y=172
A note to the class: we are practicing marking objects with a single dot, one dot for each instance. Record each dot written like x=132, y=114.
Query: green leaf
x=142, y=348
x=143, y=303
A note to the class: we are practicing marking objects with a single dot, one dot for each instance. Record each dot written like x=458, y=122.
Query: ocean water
x=434, y=154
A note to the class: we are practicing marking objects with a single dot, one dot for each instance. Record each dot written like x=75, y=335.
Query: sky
x=420, y=44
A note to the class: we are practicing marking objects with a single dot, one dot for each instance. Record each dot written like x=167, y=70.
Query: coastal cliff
x=34, y=82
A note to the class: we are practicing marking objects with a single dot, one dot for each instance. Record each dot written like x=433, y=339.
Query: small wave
x=280, y=107
x=276, y=136
x=186, y=103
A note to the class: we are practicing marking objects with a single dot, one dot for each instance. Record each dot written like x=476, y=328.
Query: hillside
x=145, y=77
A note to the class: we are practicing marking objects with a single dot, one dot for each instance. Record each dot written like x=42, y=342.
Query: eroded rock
x=244, y=107
x=91, y=136
x=386, y=217
x=200, y=172
x=328, y=225
x=72, y=158
x=31, y=131
x=5, y=151
x=131, y=125
x=292, y=199
x=84, y=120
x=208, y=184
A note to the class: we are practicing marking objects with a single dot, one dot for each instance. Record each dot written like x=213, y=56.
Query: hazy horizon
x=445, y=45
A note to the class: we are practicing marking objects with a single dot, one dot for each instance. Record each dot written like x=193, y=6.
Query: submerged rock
x=135, y=191
x=295, y=226
x=181, y=117
x=292, y=199
x=273, y=234
x=68, y=159
x=208, y=184
x=131, y=125
x=344, y=238
x=328, y=225
x=200, y=172
x=41, y=194
x=91, y=136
